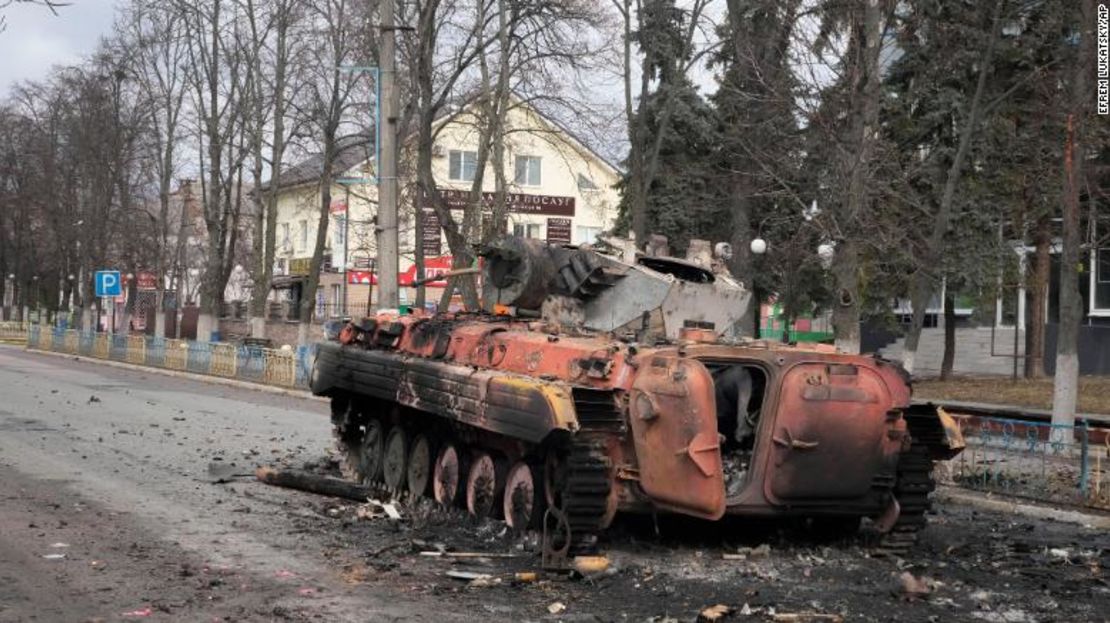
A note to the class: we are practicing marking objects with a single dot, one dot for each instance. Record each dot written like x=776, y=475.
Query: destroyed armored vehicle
x=595, y=383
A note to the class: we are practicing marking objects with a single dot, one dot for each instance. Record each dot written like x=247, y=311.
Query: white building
x=559, y=190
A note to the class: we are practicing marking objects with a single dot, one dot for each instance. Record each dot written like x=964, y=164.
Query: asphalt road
x=113, y=464
x=107, y=515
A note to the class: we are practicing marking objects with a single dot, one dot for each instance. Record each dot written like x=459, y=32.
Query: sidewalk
x=205, y=378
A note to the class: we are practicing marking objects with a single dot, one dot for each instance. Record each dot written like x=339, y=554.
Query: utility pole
x=387, y=173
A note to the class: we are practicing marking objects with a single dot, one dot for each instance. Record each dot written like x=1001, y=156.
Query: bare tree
x=152, y=32
x=487, y=55
x=217, y=72
x=273, y=53
x=329, y=94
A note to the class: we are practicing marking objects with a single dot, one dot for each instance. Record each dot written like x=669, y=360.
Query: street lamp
x=759, y=246
x=825, y=251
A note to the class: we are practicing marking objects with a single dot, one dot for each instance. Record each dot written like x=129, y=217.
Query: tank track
x=347, y=446
x=586, y=492
x=912, y=487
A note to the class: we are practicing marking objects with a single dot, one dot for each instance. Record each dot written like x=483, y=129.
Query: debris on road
x=54, y=556
x=745, y=553
x=142, y=612
x=468, y=576
x=557, y=607
x=806, y=617
x=313, y=483
x=911, y=587
x=439, y=554
x=220, y=472
x=712, y=614
x=590, y=565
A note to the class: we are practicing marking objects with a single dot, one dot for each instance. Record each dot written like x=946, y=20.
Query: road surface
x=108, y=515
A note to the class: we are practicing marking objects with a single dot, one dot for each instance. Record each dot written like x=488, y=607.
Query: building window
x=528, y=230
x=462, y=165
x=286, y=241
x=585, y=183
x=584, y=234
x=302, y=237
x=528, y=171
x=1101, y=299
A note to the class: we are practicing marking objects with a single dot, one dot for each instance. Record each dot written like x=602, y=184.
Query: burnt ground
x=116, y=486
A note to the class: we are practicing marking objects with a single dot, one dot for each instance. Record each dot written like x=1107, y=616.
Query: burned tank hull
x=525, y=411
x=511, y=419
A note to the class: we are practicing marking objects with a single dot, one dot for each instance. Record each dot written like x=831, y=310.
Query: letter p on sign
x=108, y=283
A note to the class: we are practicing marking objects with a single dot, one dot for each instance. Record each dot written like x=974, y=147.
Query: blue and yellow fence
x=284, y=367
x=13, y=332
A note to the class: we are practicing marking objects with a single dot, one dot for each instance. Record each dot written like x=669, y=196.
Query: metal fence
x=1040, y=461
x=13, y=331
x=284, y=367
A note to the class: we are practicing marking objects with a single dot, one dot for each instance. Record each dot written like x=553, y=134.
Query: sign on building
x=558, y=231
x=518, y=203
x=300, y=266
x=430, y=234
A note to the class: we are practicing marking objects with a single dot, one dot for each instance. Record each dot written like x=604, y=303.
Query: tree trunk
x=920, y=294
x=846, y=307
x=949, y=358
x=1066, y=383
x=308, y=296
x=1036, y=318
x=741, y=239
x=864, y=113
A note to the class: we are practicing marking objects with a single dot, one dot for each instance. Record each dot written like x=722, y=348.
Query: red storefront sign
x=146, y=281
x=433, y=266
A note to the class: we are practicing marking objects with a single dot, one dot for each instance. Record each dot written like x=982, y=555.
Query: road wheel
x=525, y=500
x=418, y=474
x=447, y=482
x=395, y=463
x=373, y=451
x=484, y=486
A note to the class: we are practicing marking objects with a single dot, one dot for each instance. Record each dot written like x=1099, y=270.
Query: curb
x=988, y=502
x=203, y=378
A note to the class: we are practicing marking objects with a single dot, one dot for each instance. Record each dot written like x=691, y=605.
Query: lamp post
x=385, y=155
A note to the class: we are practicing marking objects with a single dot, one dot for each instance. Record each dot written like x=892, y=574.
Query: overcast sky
x=36, y=39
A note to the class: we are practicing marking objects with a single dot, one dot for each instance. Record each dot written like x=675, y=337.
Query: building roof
x=357, y=149
x=351, y=150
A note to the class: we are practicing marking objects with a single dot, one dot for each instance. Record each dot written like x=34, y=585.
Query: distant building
x=559, y=189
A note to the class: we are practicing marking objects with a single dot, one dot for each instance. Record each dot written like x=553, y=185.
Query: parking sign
x=108, y=283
